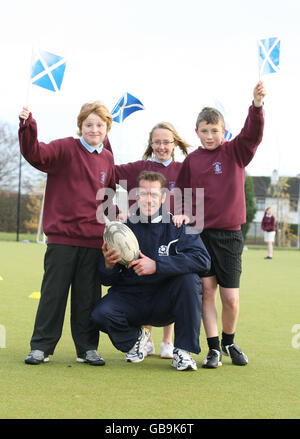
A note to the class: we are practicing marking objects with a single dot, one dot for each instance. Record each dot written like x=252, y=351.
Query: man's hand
x=143, y=266
x=110, y=256
x=259, y=93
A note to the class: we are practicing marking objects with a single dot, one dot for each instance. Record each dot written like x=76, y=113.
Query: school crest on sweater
x=218, y=167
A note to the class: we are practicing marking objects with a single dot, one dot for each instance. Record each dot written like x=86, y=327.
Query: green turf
x=268, y=387
x=8, y=236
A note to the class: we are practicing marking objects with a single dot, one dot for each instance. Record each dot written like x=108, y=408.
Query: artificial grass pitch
x=267, y=388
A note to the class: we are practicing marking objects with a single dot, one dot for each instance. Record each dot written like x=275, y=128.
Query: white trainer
x=166, y=350
x=149, y=349
x=136, y=353
x=182, y=360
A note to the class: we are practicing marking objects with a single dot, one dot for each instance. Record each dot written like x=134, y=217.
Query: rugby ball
x=120, y=237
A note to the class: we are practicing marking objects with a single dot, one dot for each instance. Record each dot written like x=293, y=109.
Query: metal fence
x=256, y=236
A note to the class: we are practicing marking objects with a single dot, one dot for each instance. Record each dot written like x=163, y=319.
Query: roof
x=262, y=186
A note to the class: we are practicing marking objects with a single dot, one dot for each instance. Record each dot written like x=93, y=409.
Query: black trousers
x=120, y=314
x=68, y=267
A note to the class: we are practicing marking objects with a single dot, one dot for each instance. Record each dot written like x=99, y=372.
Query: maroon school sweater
x=75, y=178
x=222, y=175
x=126, y=176
x=268, y=223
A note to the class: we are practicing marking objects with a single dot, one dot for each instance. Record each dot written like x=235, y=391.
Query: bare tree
x=9, y=157
x=10, y=162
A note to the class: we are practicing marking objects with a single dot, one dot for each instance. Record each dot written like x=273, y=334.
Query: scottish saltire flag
x=48, y=70
x=228, y=133
x=268, y=55
x=125, y=106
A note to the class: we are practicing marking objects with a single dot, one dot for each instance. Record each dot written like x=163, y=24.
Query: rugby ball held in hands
x=120, y=237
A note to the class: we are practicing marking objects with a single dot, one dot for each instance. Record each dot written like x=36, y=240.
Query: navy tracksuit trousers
x=121, y=313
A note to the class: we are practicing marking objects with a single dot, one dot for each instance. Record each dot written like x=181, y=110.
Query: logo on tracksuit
x=164, y=250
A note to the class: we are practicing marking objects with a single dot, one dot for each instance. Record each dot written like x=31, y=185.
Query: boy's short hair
x=210, y=115
x=96, y=108
x=151, y=176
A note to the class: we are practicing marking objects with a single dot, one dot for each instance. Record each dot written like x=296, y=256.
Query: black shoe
x=91, y=357
x=36, y=357
x=237, y=356
x=213, y=359
x=268, y=257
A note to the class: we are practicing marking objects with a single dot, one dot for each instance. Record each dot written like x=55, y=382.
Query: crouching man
x=161, y=287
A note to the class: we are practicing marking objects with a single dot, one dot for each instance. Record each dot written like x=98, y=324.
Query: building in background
x=282, y=194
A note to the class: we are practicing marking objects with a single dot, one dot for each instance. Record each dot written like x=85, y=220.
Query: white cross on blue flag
x=228, y=133
x=48, y=70
x=268, y=55
x=125, y=106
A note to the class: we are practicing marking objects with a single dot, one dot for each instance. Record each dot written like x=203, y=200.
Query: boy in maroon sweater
x=219, y=167
x=78, y=172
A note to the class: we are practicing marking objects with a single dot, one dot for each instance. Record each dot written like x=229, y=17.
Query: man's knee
x=99, y=316
x=187, y=288
x=189, y=281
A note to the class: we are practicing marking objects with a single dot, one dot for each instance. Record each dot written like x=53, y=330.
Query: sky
x=175, y=56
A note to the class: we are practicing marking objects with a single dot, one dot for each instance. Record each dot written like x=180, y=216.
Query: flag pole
x=121, y=136
x=19, y=198
x=259, y=75
x=20, y=155
x=29, y=79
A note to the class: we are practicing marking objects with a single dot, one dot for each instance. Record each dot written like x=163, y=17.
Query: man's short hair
x=210, y=115
x=152, y=176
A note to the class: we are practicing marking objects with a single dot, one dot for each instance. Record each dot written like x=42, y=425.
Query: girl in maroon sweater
x=158, y=157
x=268, y=226
x=78, y=172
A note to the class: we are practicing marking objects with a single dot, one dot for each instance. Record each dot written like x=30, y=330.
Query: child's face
x=94, y=130
x=163, y=144
x=211, y=135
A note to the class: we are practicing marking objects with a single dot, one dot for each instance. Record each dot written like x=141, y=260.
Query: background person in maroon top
x=219, y=167
x=77, y=170
x=268, y=226
x=158, y=157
